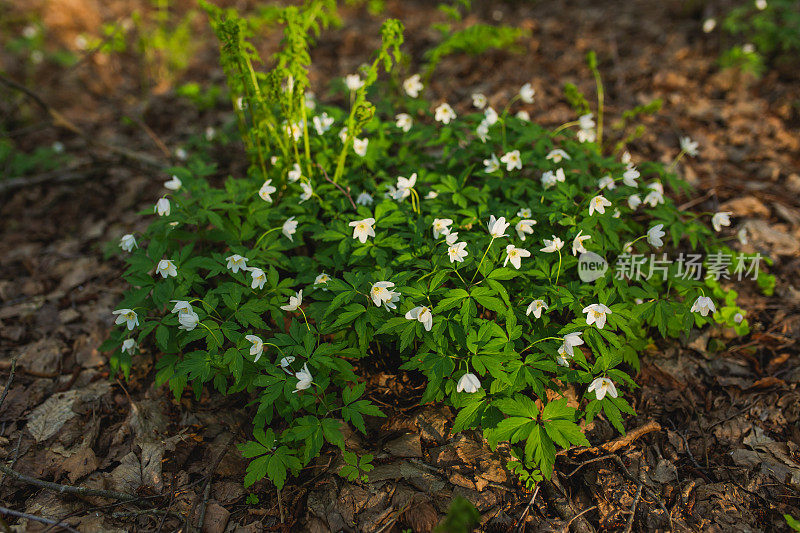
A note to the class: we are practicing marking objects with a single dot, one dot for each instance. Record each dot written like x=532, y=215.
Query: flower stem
x=482, y=258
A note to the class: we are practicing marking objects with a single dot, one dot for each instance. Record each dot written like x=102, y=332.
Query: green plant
x=15, y=162
x=462, y=517
x=278, y=283
x=770, y=30
x=792, y=522
x=474, y=40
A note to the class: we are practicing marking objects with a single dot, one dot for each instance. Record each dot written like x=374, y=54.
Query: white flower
x=709, y=24
x=257, y=348
x=181, y=306
x=266, y=190
x=383, y=295
x=127, y=242
x=606, y=182
x=599, y=204
x=308, y=192
x=479, y=100
x=570, y=341
x=285, y=362
x=129, y=345
x=451, y=237
x=525, y=212
x=552, y=246
x=498, y=226
x=295, y=130
x=587, y=136
x=524, y=226
x=515, y=255
x=322, y=123
x=173, y=184
x=363, y=229
x=512, y=160
x=310, y=103
x=490, y=116
x=616, y=213
x=423, y=315
x=162, y=207
x=654, y=197
x=482, y=131
x=536, y=307
x=30, y=31
x=596, y=314
x=630, y=176
x=550, y=178
x=294, y=174
x=188, y=321
x=526, y=93
x=343, y=135
x=723, y=218
x=586, y=121
x=412, y=86
x=431, y=195
x=444, y=114
x=577, y=243
x=304, y=378
x=404, y=121
x=364, y=199
x=654, y=235
x=404, y=186
x=353, y=82
x=457, y=252
x=166, y=268
x=741, y=235
x=441, y=226
x=294, y=302
x=557, y=155
x=626, y=158
x=738, y=318
x=127, y=316
x=689, y=146
x=634, y=201
x=322, y=279
x=601, y=387
x=468, y=383
x=491, y=164
x=761, y=5
x=562, y=356
x=236, y=262
x=259, y=278
x=702, y=305
x=360, y=146
x=289, y=228
x=181, y=154
x=523, y=115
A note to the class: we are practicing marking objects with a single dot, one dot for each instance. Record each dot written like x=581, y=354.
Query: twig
x=593, y=460
x=39, y=519
x=518, y=526
x=61, y=121
x=66, y=489
x=626, y=439
x=566, y=527
x=13, y=459
x=10, y=380
x=50, y=177
x=629, y=527
x=207, y=487
x=347, y=194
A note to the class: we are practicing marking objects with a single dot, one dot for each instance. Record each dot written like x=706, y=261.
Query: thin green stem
x=558, y=272
x=264, y=235
x=482, y=258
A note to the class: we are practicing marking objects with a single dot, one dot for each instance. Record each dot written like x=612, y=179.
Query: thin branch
x=347, y=194
x=61, y=121
x=521, y=521
x=10, y=380
x=66, y=489
x=39, y=519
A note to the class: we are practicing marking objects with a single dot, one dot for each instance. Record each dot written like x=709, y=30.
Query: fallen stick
x=625, y=440
x=66, y=489
x=39, y=519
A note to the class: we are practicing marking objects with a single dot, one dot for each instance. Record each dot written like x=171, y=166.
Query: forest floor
x=715, y=445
